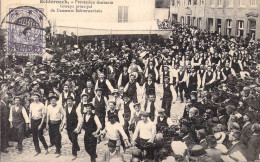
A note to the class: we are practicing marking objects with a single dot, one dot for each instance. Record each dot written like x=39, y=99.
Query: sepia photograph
x=130, y=80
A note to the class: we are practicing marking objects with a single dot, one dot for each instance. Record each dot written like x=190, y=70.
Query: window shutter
x=119, y=14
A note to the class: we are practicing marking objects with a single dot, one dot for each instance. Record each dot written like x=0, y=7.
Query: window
x=182, y=20
x=241, y=4
x=252, y=28
x=252, y=3
x=194, y=21
x=218, y=26
x=240, y=28
x=220, y=3
x=122, y=14
x=212, y=2
x=230, y=3
x=189, y=2
x=202, y=2
x=228, y=27
x=178, y=3
x=173, y=3
x=199, y=23
x=194, y=2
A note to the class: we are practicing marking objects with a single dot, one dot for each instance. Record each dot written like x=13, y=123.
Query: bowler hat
x=69, y=98
x=111, y=144
x=197, y=150
x=53, y=96
x=161, y=110
x=136, y=104
x=144, y=113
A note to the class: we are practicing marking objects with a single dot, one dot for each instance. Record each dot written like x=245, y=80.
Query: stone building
x=227, y=17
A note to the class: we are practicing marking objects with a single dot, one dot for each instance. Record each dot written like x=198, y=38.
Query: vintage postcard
x=130, y=80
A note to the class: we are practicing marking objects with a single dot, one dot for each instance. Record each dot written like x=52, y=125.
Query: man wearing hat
x=149, y=106
x=119, y=102
x=18, y=117
x=152, y=72
x=198, y=153
x=115, y=132
x=227, y=70
x=56, y=119
x=165, y=72
x=89, y=90
x=168, y=93
x=112, y=153
x=37, y=123
x=92, y=126
x=135, y=116
x=132, y=87
x=150, y=87
x=104, y=84
x=124, y=77
x=181, y=81
x=74, y=121
x=209, y=79
x=246, y=131
x=144, y=135
x=162, y=121
x=63, y=96
x=84, y=100
x=100, y=103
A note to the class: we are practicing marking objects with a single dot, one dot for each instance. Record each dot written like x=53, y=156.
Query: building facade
x=227, y=17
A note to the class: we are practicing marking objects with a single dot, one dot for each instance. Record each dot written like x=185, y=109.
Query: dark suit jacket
x=246, y=133
x=254, y=148
x=4, y=113
x=238, y=147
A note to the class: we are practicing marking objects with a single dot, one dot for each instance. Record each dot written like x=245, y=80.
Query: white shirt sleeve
x=169, y=122
x=137, y=130
x=122, y=132
x=110, y=87
x=11, y=115
x=97, y=121
x=119, y=80
x=121, y=119
x=25, y=116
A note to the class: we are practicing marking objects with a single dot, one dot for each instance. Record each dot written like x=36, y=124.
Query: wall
x=161, y=13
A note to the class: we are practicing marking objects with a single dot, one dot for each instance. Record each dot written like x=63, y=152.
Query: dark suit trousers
x=38, y=135
x=54, y=131
x=4, y=134
x=182, y=88
x=167, y=104
x=90, y=143
x=19, y=131
x=74, y=140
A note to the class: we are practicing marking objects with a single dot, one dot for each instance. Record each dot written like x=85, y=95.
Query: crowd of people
x=124, y=91
x=165, y=24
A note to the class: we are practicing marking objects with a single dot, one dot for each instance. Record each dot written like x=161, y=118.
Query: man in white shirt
x=118, y=100
x=56, y=119
x=37, y=116
x=18, y=117
x=113, y=131
x=146, y=131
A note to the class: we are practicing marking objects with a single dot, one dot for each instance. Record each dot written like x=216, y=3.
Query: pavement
x=66, y=155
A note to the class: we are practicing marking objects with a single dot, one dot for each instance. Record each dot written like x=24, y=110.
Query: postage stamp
x=25, y=31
